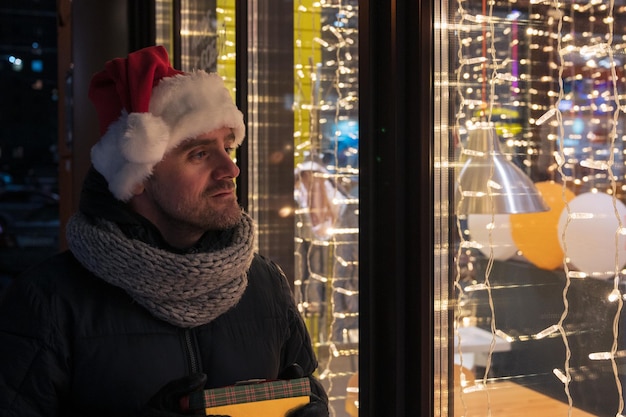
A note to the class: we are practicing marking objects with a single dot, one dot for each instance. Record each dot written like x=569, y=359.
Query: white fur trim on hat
x=193, y=104
x=128, y=150
x=182, y=107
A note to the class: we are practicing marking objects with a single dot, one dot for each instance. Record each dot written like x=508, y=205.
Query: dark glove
x=313, y=409
x=167, y=402
x=318, y=407
x=293, y=371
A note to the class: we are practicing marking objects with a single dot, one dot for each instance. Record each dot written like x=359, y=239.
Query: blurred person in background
x=327, y=252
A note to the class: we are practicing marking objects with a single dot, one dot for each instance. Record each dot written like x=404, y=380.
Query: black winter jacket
x=72, y=344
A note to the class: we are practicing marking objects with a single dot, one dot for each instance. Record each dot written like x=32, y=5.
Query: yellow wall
x=226, y=43
x=307, y=54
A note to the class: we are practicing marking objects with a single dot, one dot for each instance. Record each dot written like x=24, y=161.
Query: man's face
x=192, y=189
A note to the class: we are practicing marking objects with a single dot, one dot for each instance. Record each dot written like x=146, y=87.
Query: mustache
x=221, y=187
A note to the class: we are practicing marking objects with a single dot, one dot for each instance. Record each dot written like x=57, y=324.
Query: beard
x=197, y=213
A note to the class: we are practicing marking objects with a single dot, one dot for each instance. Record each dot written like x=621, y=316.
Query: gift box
x=254, y=398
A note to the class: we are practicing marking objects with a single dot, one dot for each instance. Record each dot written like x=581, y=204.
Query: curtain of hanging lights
x=326, y=176
x=559, y=107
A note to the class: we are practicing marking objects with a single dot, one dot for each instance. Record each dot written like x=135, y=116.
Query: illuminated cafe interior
x=443, y=182
x=536, y=113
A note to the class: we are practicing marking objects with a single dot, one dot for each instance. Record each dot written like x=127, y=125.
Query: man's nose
x=227, y=167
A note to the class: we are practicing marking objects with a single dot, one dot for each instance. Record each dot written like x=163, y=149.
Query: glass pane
x=164, y=11
x=225, y=26
x=207, y=35
x=532, y=106
x=326, y=143
x=313, y=117
x=198, y=33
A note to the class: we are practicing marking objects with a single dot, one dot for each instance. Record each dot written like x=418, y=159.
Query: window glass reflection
x=326, y=184
x=538, y=295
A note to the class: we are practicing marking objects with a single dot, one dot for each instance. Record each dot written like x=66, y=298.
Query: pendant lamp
x=489, y=183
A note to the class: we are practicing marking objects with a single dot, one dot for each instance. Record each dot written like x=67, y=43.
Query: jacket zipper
x=191, y=352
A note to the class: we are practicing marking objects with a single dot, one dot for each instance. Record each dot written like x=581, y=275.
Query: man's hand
x=313, y=409
x=318, y=407
x=167, y=402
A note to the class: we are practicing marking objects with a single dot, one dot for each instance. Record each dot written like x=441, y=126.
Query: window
x=535, y=291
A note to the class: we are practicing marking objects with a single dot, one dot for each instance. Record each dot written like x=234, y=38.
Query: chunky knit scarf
x=186, y=290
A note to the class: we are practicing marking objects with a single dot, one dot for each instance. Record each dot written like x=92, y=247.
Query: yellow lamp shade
x=536, y=234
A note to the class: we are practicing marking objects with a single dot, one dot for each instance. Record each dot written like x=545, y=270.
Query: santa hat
x=146, y=108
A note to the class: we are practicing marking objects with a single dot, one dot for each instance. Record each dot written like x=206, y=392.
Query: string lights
x=326, y=180
x=549, y=76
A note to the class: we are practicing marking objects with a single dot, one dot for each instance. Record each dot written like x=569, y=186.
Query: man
x=160, y=293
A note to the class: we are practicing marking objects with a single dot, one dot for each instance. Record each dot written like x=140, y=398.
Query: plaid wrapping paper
x=249, y=392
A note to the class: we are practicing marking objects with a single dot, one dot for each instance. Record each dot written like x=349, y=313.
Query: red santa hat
x=146, y=108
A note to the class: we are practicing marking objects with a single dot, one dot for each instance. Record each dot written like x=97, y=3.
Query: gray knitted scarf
x=186, y=290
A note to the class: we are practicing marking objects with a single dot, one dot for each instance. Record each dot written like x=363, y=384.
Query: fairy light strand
x=613, y=136
x=564, y=378
x=488, y=103
x=324, y=93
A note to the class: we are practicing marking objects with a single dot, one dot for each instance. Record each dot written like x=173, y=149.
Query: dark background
x=28, y=129
x=28, y=102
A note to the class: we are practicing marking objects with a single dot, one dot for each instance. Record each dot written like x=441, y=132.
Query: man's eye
x=199, y=154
